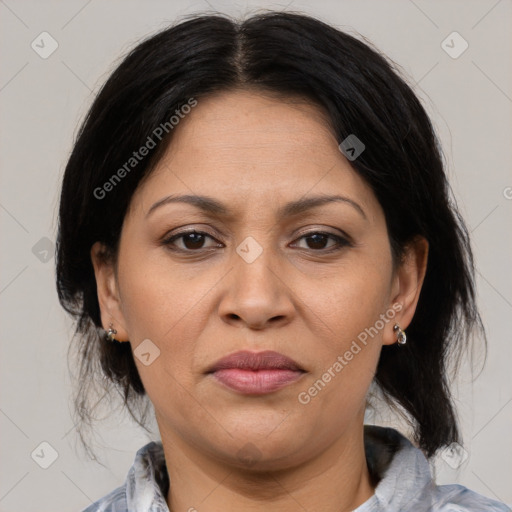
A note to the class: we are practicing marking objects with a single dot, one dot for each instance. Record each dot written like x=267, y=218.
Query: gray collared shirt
x=403, y=474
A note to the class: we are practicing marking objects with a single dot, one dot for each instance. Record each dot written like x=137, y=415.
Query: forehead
x=247, y=147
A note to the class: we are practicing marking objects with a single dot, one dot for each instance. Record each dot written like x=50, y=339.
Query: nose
x=256, y=295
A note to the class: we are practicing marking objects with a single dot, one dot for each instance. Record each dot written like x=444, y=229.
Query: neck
x=335, y=480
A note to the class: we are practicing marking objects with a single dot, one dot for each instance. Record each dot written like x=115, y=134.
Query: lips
x=245, y=360
x=256, y=372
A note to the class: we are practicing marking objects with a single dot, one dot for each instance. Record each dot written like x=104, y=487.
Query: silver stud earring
x=111, y=333
x=401, y=338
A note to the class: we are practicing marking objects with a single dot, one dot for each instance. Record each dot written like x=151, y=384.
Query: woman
x=255, y=226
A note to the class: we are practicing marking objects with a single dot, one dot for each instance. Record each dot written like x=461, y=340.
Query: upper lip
x=246, y=360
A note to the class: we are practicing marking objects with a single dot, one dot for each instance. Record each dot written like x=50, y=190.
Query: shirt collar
x=401, y=470
x=147, y=483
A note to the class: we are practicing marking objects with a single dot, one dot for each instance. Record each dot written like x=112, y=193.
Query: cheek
x=158, y=297
x=170, y=308
x=167, y=310
x=348, y=312
x=351, y=300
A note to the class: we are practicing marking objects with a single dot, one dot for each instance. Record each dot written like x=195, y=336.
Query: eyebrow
x=212, y=206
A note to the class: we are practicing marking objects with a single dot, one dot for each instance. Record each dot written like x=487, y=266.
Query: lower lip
x=256, y=382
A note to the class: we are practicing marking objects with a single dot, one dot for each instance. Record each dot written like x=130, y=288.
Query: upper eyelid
x=179, y=234
x=313, y=230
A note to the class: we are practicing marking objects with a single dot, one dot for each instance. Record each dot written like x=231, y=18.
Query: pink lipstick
x=256, y=373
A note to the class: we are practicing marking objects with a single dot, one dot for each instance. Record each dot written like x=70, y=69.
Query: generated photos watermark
x=341, y=361
x=137, y=156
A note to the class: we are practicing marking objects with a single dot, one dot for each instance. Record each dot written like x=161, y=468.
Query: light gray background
x=42, y=102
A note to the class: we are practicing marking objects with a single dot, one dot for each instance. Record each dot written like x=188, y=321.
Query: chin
x=262, y=449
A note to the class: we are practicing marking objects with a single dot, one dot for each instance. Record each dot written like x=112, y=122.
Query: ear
x=108, y=292
x=406, y=286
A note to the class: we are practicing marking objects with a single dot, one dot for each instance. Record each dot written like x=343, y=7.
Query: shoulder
x=405, y=481
x=145, y=487
x=114, y=501
x=457, y=498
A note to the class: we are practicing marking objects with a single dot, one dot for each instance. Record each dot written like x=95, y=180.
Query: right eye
x=192, y=241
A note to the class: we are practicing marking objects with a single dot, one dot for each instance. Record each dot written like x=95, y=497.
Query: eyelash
x=341, y=241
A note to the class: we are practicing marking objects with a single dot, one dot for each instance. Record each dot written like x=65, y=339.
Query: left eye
x=318, y=239
x=194, y=240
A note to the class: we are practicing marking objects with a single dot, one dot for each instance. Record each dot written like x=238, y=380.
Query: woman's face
x=313, y=282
